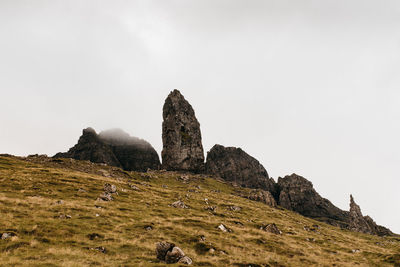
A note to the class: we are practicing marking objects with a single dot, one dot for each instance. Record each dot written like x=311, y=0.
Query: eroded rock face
x=134, y=154
x=234, y=165
x=364, y=224
x=114, y=148
x=298, y=194
x=182, y=146
x=262, y=196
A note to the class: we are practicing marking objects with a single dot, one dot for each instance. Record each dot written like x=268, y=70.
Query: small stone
x=110, y=188
x=235, y=208
x=179, y=204
x=134, y=187
x=7, y=235
x=81, y=190
x=185, y=260
x=211, y=208
x=105, y=197
x=148, y=228
x=272, y=228
x=355, y=250
x=59, y=202
x=223, y=228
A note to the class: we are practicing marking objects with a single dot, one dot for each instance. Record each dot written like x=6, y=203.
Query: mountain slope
x=49, y=209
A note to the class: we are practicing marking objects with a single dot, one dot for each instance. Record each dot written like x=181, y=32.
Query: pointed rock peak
x=182, y=145
x=351, y=200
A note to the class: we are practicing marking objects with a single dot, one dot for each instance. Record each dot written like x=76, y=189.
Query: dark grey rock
x=181, y=135
x=234, y=165
x=262, y=196
x=298, y=194
x=114, y=148
x=162, y=248
x=174, y=255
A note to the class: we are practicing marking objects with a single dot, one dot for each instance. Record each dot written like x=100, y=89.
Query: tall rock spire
x=182, y=146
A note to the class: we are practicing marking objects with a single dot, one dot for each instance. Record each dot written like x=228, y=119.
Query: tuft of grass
x=37, y=194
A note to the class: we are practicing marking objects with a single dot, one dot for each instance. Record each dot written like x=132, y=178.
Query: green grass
x=30, y=189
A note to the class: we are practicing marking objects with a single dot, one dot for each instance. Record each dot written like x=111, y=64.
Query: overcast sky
x=306, y=87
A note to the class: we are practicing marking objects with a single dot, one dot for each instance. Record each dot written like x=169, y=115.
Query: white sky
x=310, y=87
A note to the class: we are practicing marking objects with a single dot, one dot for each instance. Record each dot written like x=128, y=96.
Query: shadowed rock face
x=114, y=148
x=234, y=165
x=298, y=194
x=182, y=147
x=364, y=224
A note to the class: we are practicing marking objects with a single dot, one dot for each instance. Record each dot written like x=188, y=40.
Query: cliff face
x=298, y=194
x=182, y=146
x=114, y=148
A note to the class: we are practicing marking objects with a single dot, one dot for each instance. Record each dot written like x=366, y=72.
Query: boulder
x=174, y=255
x=272, y=228
x=182, y=146
x=115, y=148
x=234, y=165
x=110, y=188
x=162, y=248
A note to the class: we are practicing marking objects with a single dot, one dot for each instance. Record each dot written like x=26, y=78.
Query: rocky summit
x=114, y=148
x=298, y=194
x=182, y=146
x=234, y=165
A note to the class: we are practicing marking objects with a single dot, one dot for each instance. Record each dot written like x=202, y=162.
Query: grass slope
x=31, y=188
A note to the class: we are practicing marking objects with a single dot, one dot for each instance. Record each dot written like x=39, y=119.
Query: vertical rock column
x=182, y=146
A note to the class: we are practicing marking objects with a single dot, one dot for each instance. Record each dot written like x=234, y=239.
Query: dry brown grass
x=29, y=192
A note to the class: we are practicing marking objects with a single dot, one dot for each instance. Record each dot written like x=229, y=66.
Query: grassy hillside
x=38, y=195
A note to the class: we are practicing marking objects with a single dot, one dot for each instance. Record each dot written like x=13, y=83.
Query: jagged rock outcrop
x=364, y=224
x=133, y=153
x=182, y=146
x=234, y=165
x=298, y=194
x=114, y=148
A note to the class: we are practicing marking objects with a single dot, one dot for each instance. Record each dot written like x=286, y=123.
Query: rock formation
x=298, y=194
x=234, y=165
x=262, y=196
x=364, y=224
x=182, y=146
x=114, y=148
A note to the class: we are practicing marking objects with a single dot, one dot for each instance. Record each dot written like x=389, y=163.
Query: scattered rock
x=223, y=228
x=211, y=208
x=234, y=165
x=179, y=204
x=110, y=188
x=355, y=251
x=105, y=197
x=134, y=187
x=185, y=260
x=65, y=216
x=148, y=228
x=99, y=249
x=7, y=235
x=60, y=202
x=271, y=228
x=94, y=236
x=182, y=146
x=81, y=190
x=235, y=208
